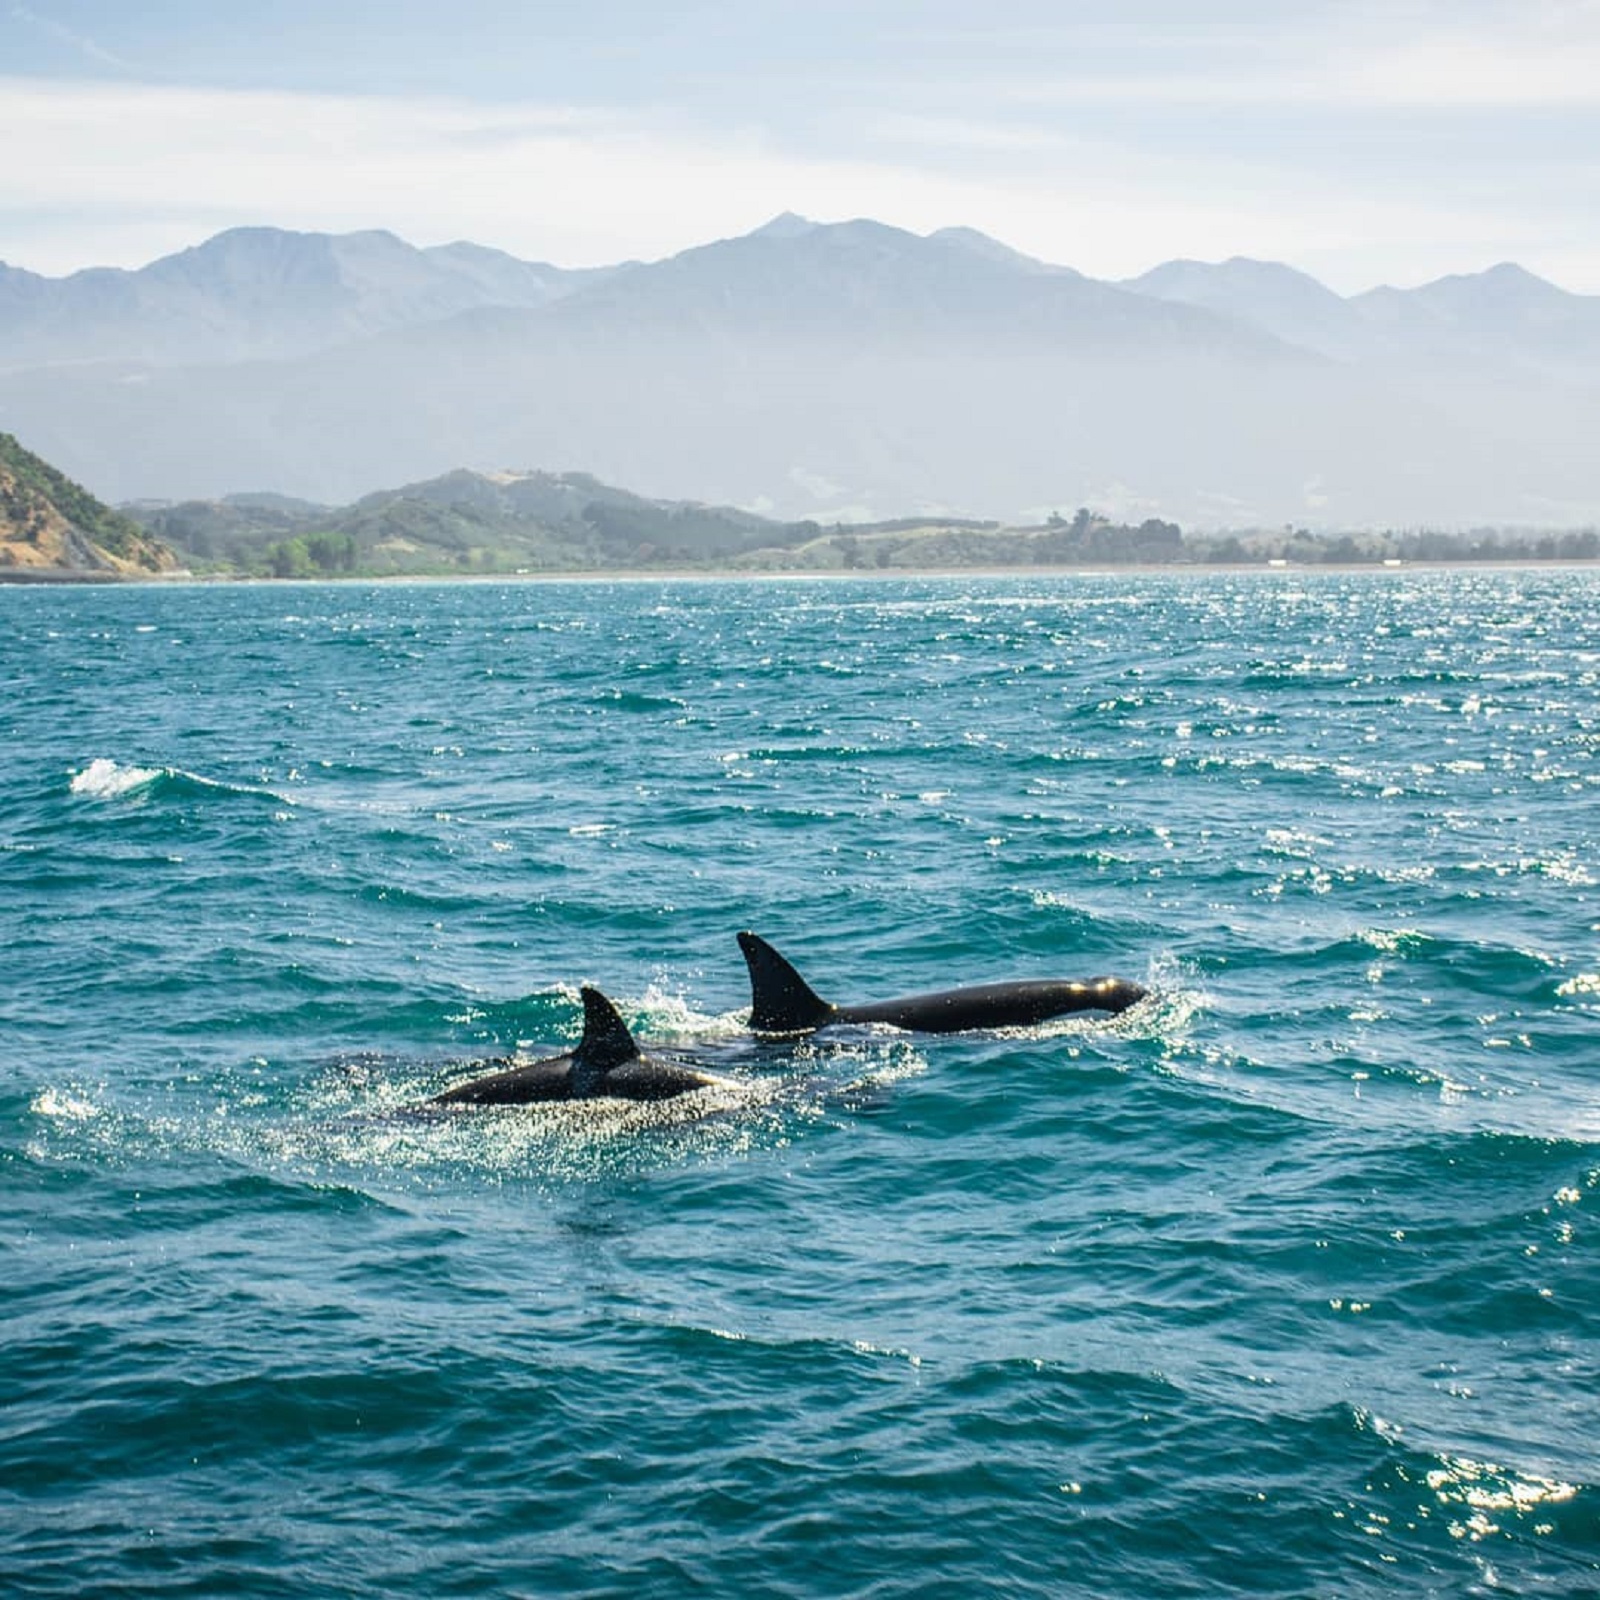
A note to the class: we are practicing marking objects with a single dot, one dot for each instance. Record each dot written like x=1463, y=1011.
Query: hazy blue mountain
x=786, y=225
x=1267, y=295
x=834, y=371
x=837, y=372
x=1503, y=297
x=254, y=293
x=266, y=500
x=1505, y=315
x=847, y=281
x=981, y=244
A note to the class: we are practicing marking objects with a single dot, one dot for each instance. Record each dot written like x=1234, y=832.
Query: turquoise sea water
x=1286, y=1282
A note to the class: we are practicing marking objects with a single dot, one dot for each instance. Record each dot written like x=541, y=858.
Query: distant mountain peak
x=786, y=225
x=1511, y=278
x=1286, y=302
x=1485, y=299
x=991, y=249
x=1514, y=272
x=791, y=227
x=250, y=236
x=1237, y=272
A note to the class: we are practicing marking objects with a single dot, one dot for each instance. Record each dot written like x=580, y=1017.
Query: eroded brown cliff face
x=48, y=524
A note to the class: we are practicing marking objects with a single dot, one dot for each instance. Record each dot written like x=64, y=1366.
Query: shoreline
x=36, y=577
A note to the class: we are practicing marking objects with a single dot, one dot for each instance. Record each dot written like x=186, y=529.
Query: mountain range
x=834, y=372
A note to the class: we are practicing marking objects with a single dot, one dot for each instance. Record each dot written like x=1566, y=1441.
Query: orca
x=606, y=1063
x=781, y=1001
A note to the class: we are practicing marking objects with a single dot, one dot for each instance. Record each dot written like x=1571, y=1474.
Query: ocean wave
x=107, y=779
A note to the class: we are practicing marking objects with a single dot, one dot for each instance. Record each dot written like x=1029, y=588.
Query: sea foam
x=104, y=779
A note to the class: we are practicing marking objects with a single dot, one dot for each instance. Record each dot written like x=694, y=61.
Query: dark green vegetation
x=463, y=523
x=467, y=523
x=473, y=523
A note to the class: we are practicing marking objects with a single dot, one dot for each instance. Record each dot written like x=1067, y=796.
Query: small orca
x=606, y=1063
x=781, y=1001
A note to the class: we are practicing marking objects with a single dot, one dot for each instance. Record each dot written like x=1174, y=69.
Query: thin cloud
x=1479, y=74
x=1464, y=75
x=80, y=42
x=1531, y=55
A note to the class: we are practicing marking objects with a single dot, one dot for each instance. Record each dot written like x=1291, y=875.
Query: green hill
x=51, y=527
x=465, y=522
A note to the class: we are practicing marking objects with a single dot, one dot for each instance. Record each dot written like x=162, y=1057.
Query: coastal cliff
x=52, y=528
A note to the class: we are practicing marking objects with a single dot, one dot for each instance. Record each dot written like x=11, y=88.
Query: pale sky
x=1363, y=142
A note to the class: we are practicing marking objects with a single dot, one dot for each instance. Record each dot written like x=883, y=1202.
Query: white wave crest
x=104, y=779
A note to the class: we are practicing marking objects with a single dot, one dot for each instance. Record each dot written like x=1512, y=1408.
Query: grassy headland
x=53, y=527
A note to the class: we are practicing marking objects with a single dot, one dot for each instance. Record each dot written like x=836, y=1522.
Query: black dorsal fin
x=781, y=1001
x=606, y=1042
